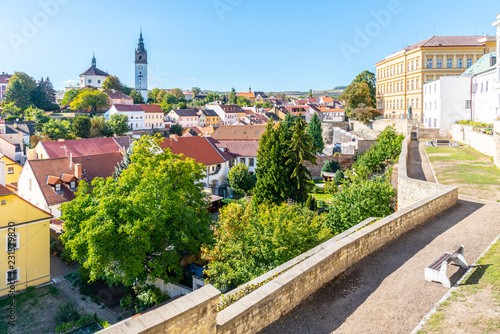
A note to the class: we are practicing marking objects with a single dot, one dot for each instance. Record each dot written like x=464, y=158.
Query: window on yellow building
x=450, y=63
x=439, y=63
x=429, y=62
x=459, y=63
x=469, y=62
x=10, y=170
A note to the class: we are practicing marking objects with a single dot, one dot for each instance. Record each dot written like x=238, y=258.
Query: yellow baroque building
x=26, y=261
x=400, y=76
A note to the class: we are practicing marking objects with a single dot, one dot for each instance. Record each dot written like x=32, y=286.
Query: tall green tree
x=357, y=93
x=90, y=100
x=274, y=184
x=315, y=130
x=112, y=82
x=69, y=96
x=118, y=124
x=140, y=225
x=82, y=126
x=126, y=90
x=99, y=127
x=365, y=114
x=138, y=99
x=250, y=240
x=233, y=98
x=243, y=101
x=179, y=95
x=176, y=129
x=370, y=79
x=300, y=150
x=20, y=90
x=240, y=179
x=195, y=91
x=56, y=129
x=127, y=160
x=310, y=93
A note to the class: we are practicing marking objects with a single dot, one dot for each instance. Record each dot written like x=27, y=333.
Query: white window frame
x=18, y=276
x=10, y=170
x=459, y=62
x=7, y=243
x=56, y=186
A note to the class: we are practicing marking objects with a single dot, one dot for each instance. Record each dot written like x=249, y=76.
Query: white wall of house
x=29, y=190
x=485, y=99
x=92, y=80
x=251, y=163
x=445, y=102
x=136, y=119
x=226, y=118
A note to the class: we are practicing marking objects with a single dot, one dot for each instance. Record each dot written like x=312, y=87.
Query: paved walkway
x=386, y=292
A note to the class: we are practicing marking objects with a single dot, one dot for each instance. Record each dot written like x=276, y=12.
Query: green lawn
x=323, y=197
x=482, y=283
x=474, y=173
x=453, y=153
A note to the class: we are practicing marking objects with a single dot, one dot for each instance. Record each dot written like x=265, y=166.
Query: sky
x=272, y=45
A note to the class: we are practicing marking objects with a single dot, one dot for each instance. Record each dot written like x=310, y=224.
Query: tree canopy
x=20, y=90
x=56, y=129
x=362, y=90
x=139, y=225
x=240, y=179
x=112, y=82
x=137, y=97
x=251, y=240
x=90, y=99
x=118, y=124
x=82, y=126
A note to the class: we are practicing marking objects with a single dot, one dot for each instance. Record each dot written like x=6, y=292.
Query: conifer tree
x=300, y=150
x=315, y=130
x=122, y=165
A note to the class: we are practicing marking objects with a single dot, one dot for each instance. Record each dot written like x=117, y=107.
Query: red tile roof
x=247, y=148
x=117, y=95
x=80, y=147
x=126, y=107
x=5, y=191
x=4, y=78
x=151, y=108
x=239, y=132
x=93, y=166
x=232, y=108
x=198, y=148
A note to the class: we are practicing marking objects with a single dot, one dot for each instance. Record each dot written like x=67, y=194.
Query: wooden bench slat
x=436, y=265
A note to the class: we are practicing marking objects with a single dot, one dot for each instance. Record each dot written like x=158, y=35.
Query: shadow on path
x=340, y=299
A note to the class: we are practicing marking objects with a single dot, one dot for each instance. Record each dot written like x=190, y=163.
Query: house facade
x=25, y=232
x=227, y=113
x=4, y=82
x=203, y=150
x=184, y=117
x=401, y=76
x=46, y=183
x=208, y=117
x=12, y=170
x=117, y=97
x=136, y=115
x=245, y=152
x=153, y=116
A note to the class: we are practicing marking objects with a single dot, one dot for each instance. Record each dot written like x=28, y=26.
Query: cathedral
x=141, y=69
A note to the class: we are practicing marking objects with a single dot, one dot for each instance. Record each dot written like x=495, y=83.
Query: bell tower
x=141, y=69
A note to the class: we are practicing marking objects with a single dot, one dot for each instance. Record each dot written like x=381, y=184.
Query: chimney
x=71, y=164
x=78, y=171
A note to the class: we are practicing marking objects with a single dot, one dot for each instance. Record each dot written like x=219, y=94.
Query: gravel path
x=386, y=292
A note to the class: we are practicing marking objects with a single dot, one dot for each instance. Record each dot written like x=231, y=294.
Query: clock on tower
x=141, y=69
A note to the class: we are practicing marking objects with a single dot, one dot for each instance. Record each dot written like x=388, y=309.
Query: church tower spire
x=94, y=62
x=141, y=68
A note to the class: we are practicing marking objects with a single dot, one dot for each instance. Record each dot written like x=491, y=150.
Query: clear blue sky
x=272, y=45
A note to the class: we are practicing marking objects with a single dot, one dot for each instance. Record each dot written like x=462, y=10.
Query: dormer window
x=72, y=184
x=58, y=187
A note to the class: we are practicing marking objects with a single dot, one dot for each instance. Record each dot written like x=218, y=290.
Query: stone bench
x=437, y=270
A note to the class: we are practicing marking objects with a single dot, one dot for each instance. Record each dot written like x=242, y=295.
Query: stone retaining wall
x=194, y=313
x=268, y=303
x=346, y=161
x=481, y=142
x=428, y=133
x=410, y=190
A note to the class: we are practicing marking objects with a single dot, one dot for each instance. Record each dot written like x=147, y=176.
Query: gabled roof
x=123, y=142
x=4, y=78
x=95, y=71
x=80, y=147
x=484, y=64
x=5, y=191
x=247, y=95
x=185, y=113
x=128, y=108
x=209, y=113
x=152, y=108
x=23, y=127
x=232, y=108
x=327, y=99
x=198, y=148
x=239, y=148
x=262, y=94
x=239, y=132
x=117, y=94
x=93, y=166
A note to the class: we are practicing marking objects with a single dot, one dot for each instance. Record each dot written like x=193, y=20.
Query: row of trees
x=24, y=92
x=79, y=127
